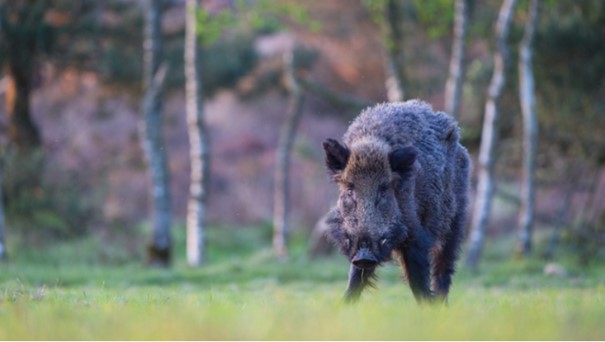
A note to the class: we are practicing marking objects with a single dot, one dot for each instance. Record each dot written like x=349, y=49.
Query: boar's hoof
x=351, y=297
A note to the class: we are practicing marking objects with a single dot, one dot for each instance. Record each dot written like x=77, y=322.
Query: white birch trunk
x=489, y=137
x=199, y=150
x=530, y=132
x=395, y=77
x=159, y=249
x=284, y=149
x=393, y=84
x=453, y=86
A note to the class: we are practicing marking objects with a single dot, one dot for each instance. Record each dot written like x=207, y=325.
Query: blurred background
x=74, y=88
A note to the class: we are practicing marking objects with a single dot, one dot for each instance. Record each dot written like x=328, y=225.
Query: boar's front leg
x=359, y=278
x=417, y=265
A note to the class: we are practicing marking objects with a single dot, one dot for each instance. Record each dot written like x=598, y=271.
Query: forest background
x=180, y=133
x=83, y=114
x=80, y=83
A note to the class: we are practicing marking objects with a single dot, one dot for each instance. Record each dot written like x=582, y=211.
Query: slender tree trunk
x=453, y=87
x=199, y=149
x=284, y=149
x=489, y=137
x=22, y=131
x=395, y=78
x=159, y=249
x=530, y=133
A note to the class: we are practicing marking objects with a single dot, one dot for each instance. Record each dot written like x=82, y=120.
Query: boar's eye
x=383, y=241
x=347, y=243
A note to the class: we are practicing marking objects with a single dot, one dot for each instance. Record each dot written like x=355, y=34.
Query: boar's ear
x=336, y=156
x=402, y=159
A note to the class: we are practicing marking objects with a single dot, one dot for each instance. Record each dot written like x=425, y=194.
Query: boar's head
x=368, y=222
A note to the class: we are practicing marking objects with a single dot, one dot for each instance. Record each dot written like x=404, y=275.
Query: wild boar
x=403, y=180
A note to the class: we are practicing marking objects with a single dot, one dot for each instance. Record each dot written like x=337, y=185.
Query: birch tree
x=489, y=137
x=388, y=15
x=453, y=86
x=199, y=149
x=284, y=150
x=395, y=78
x=530, y=131
x=159, y=248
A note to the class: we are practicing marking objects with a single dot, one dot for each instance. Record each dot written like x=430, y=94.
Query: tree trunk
x=489, y=137
x=19, y=29
x=284, y=148
x=395, y=78
x=530, y=133
x=159, y=249
x=22, y=132
x=199, y=149
x=453, y=87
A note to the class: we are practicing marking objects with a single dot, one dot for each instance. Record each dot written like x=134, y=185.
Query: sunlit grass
x=246, y=294
x=273, y=311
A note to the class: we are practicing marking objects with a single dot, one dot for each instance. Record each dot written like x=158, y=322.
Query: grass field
x=243, y=293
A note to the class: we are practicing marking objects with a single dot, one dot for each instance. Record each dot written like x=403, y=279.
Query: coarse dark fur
x=403, y=179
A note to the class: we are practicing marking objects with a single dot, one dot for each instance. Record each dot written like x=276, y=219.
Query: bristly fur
x=403, y=179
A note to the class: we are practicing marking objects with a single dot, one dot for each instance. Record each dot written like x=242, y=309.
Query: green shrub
x=43, y=204
x=587, y=241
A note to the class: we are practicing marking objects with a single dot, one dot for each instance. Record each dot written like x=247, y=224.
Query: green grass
x=243, y=293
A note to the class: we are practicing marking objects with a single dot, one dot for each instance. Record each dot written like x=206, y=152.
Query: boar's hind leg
x=418, y=267
x=444, y=264
x=358, y=279
x=443, y=270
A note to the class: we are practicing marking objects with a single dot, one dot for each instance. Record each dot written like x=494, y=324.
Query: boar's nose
x=364, y=259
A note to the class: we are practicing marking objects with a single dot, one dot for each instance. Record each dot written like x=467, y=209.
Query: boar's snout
x=365, y=259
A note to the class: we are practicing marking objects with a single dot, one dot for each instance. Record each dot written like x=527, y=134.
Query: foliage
x=226, y=60
x=210, y=27
x=227, y=41
x=24, y=35
x=587, y=241
x=436, y=16
x=378, y=12
x=570, y=64
x=376, y=8
x=262, y=16
x=227, y=38
x=40, y=209
x=73, y=35
x=120, y=58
